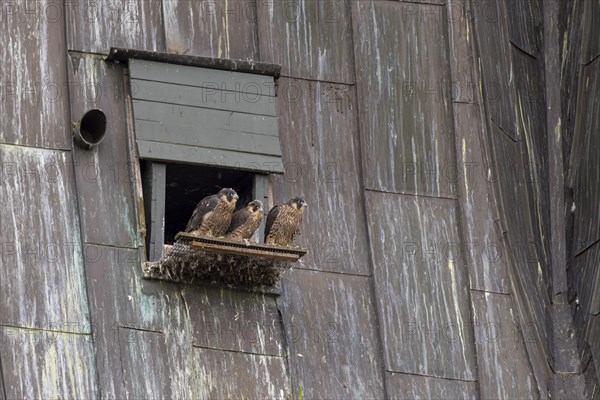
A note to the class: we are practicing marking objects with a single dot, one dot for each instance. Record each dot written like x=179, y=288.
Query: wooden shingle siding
x=205, y=116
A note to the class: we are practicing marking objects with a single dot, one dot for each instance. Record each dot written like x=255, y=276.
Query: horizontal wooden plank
x=202, y=97
x=209, y=120
x=158, y=151
x=197, y=76
x=197, y=135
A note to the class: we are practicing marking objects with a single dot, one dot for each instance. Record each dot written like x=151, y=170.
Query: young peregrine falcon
x=283, y=222
x=213, y=214
x=245, y=222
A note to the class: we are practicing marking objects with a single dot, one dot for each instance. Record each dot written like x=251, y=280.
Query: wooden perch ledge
x=223, y=262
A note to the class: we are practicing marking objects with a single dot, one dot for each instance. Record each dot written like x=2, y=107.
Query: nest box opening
x=89, y=131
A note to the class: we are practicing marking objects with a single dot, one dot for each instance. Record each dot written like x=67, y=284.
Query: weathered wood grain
x=104, y=174
x=405, y=386
x=403, y=68
x=146, y=373
x=525, y=25
x=463, y=87
x=95, y=27
x=42, y=263
x=503, y=366
x=319, y=139
x=494, y=61
x=528, y=267
x=121, y=298
x=591, y=31
x=584, y=171
x=223, y=29
x=530, y=100
x=236, y=321
x=44, y=364
x=484, y=246
x=331, y=333
x=584, y=280
x=234, y=375
x=33, y=86
x=309, y=39
x=422, y=285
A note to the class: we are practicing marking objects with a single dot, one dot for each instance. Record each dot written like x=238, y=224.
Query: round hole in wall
x=90, y=130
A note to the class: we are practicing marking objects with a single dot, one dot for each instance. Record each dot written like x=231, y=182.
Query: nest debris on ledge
x=223, y=262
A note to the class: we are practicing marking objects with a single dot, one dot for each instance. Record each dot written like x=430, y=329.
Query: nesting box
x=223, y=262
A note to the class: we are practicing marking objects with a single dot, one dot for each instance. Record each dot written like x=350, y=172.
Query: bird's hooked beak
x=305, y=205
x=236, y=197
x=260, y=209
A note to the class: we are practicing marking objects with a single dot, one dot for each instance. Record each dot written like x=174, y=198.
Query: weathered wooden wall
x=445, y=147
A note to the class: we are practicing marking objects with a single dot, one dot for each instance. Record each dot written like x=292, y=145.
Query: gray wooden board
x=216, y=123
x=531, y=121
x=572, y=13
x=198, y=135
x=309, y=39
x=591, y=31
x=525, y=25
x=510, y=181
x=212, y=28
x=491, y=33
x=33, y=88
x=488, y=264
x=235, y=321
x=96, y=26
x=155, y=181
x=321, y=155
x=164, y=92
x=405, y=386
x=422, y=285
x=118, y=294
x=120, y=297
x=146, y=375
x=586, y=147
x=104, y=175
x=331, y=332
x=234, y=375
x=502, y=359
x=168, y=152
x=584, y=279
x=231, y=81
x=406, y=127
x=462, y=57
x=42, y=280
x=50, y=365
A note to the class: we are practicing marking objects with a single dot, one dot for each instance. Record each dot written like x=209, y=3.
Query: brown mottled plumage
x=245, y=222
x=213, y=214
x=283, y=222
